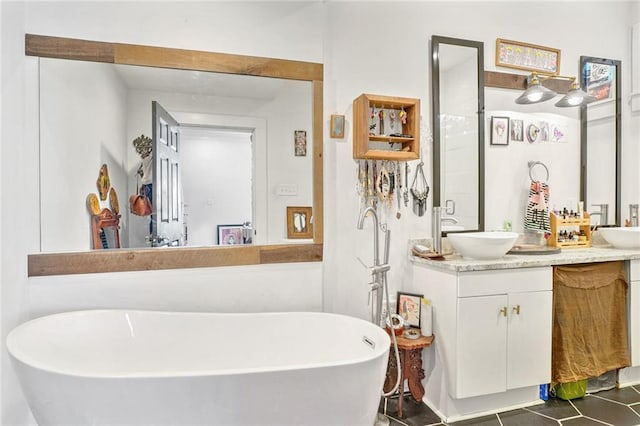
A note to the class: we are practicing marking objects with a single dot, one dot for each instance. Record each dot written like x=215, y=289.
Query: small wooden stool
x=410, y=351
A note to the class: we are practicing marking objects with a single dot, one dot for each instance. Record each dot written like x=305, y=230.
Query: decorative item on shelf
x=93, y=204
x=337, y=126
x=408, y=307
x=526, y=56
x=299, y=222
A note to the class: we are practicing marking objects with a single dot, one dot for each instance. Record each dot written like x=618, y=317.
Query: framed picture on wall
x=499, y=130
x=229, y=235
x=299, y=222
x=517, y=130
x=408, y=307
x=337, y=126
x=300, y=141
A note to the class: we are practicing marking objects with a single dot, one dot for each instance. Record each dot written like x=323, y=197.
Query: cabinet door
x=529, y=339
x=481, y=346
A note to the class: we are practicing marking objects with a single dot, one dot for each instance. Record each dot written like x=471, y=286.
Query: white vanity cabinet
x=492, y=327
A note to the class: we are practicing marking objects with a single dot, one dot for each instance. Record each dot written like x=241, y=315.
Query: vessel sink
x=482, y=245
x=622, y=237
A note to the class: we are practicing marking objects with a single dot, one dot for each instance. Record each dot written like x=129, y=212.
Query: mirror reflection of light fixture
x=536, y=92
x=575, y=97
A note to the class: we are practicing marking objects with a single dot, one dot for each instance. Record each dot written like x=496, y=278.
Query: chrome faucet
x=603, y=213
x=378, y=270
x=633, y=214
x=436, y=226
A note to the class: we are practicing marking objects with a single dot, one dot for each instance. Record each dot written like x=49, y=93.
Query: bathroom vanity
x=493, y=319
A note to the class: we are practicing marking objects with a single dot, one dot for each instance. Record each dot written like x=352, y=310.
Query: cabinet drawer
x=502, y=281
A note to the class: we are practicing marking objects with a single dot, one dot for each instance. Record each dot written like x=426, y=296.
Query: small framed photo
x=337, y=126
x=299, y=222
x=499, y=130
x=408, y=307
x=517, y=130
x=300, y=140
x=230, y=235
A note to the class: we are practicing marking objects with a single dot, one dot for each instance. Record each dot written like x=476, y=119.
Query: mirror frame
x=436, y=41
x=584, y=136
x=102, y=261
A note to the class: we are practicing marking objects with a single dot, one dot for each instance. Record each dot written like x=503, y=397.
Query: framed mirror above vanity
x=212, y=74
x=457, y=86
x=600, y=140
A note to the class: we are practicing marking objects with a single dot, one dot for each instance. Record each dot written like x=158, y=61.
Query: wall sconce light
x=575, y=97
x=537, y=93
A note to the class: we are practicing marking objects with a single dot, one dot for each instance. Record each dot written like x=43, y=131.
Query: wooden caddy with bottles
x=579, y=226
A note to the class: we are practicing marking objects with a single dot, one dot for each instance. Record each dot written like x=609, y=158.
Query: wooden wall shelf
x=375, y=144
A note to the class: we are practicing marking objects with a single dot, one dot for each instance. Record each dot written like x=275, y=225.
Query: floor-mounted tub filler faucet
x=436, y=225
x=379, y=285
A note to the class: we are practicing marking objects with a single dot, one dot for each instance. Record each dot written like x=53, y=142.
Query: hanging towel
x=537, y=211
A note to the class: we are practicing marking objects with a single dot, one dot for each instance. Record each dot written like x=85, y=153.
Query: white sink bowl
x=622, y=237
x=482, y=245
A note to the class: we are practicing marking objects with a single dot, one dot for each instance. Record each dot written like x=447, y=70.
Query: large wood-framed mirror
x=457, y=84
x=262, y=252
x=600, y=140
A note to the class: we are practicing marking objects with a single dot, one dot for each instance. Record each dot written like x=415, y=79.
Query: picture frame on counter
x=408, y=307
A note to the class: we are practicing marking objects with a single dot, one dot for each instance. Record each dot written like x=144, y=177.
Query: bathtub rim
x=10, y=344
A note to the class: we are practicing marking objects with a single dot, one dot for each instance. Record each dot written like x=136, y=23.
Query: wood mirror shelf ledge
x=101, y=261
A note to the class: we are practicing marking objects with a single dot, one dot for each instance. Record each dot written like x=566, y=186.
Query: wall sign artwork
x=525, y=56
x=598, y=80
x=337, y=126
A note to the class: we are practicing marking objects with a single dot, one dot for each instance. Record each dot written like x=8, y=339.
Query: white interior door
x=167, y=223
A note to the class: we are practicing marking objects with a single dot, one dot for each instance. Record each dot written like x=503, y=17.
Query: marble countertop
x=456, y=263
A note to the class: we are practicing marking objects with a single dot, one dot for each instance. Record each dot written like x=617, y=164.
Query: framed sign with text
x=529, y=57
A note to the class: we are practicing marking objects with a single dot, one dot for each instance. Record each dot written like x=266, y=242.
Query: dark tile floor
x=616, y=407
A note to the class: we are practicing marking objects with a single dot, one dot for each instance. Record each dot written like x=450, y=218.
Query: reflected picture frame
x=499, y=130
x=300, y=143
x=408, y=306
x=230, y=235
x=337, y=126
x=299, y=222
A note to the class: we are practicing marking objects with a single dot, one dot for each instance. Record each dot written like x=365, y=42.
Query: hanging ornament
x=419, y=195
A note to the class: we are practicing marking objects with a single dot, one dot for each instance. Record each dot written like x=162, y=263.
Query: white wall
x=340, y=35
x=93, y=133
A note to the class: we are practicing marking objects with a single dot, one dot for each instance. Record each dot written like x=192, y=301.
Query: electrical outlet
x=287, y=189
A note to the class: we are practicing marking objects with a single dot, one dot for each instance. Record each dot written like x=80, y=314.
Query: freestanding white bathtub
x=112, y=367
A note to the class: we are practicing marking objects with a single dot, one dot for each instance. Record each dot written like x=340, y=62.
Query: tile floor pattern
x=616, y=407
